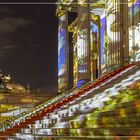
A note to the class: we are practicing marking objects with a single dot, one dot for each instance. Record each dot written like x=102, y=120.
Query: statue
x=2, y=81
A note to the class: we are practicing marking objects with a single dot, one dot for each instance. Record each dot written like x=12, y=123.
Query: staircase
x=107, y=109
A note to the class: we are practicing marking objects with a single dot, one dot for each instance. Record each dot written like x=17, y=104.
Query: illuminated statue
x=2, y=81
x=8, y=85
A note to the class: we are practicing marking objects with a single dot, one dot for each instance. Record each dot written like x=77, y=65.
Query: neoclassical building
x=105, y=36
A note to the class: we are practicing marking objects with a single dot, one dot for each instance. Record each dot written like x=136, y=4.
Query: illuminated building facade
x=106, y=35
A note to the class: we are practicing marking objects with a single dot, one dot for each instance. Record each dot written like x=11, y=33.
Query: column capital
x=60, y=11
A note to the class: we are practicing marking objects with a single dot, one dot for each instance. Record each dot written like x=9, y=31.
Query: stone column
x=124, y=38
x=75, y=60
x=83, y=41
x=63, y=53
x=117, y=33
x=94, y=55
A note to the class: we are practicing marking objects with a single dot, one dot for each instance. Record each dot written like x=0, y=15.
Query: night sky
x=28, y=43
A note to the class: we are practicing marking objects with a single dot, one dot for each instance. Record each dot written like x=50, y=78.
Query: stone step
x=93, y=119
x=94, y=123
x=86, y=89
x=120, y=113
x=52, y=137
x=106, y=123
x=102, y=131
x=121, y=109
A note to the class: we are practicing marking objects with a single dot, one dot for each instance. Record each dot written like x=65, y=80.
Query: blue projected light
x=102, y=34
x=62, y=48
x=80, y=83
x=137, y=4
x=94, y=27
x=134, y=9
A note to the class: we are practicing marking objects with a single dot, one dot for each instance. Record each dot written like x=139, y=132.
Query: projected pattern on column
x=83, y=43
x=102, y=40
x=117, y=33
x=93, y=49
x=62, y=54
x=134, y=30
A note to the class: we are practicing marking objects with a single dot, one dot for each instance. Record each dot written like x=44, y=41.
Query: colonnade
x=100, y=42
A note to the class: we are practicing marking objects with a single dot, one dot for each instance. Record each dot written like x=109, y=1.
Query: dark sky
x=28, y=43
